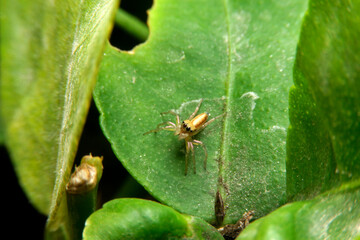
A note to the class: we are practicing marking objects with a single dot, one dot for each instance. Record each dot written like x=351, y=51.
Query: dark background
x=22, y=221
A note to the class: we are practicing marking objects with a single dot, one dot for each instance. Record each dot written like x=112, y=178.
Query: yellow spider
x=186, y=129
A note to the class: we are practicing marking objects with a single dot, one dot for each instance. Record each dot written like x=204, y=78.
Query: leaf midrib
x=228, y=88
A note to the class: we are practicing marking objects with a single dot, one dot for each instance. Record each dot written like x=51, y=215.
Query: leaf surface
x=323, y=139
x=324, y=142
x=332, y=215
x=237, y=56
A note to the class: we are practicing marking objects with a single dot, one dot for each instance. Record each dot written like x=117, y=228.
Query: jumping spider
x=186, y=130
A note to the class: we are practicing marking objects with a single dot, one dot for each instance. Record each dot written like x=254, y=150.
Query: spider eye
x=188, y=128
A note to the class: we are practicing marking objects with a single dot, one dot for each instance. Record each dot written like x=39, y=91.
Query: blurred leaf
x=2, y=130
x=323, y=139
x=238, y=56
x=334, y=215
x=50, y=53
x=324, y=136
x=141, y=219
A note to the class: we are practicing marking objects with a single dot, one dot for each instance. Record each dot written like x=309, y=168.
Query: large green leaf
x=238, y=57
x=333, y=215
x=140, y=219
x=50, y=51
x=323, y=140
x=324, y=137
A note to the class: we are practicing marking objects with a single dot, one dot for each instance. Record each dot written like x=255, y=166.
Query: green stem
x=80, y=207
x=132, y=25
x=81, y=194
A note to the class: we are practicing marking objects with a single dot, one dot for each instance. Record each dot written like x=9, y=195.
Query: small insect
x=186, y=130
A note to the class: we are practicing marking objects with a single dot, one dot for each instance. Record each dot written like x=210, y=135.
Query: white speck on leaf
x=273, y=129
x=253, y=96
x=175, y=57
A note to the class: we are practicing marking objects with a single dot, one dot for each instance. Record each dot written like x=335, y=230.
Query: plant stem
x=132, y=25
x=81, y=194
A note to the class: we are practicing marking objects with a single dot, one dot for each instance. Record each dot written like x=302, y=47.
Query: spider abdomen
x=199, y=120
x=195, y=123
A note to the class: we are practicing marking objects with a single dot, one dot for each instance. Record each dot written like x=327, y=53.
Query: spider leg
x=171, y=124
x=175, y=114
x=196, y=110
x=189, y=148
x=197, y=142
x=171, y=127
x=193, y=156
x=186, y=156
x=210, y=121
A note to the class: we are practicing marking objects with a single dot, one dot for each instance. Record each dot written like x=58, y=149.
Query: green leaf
x=50, y=53
x=324, y=141
x=238, y=57
x=334, y=215
x=141, y=219
x=2, y=130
